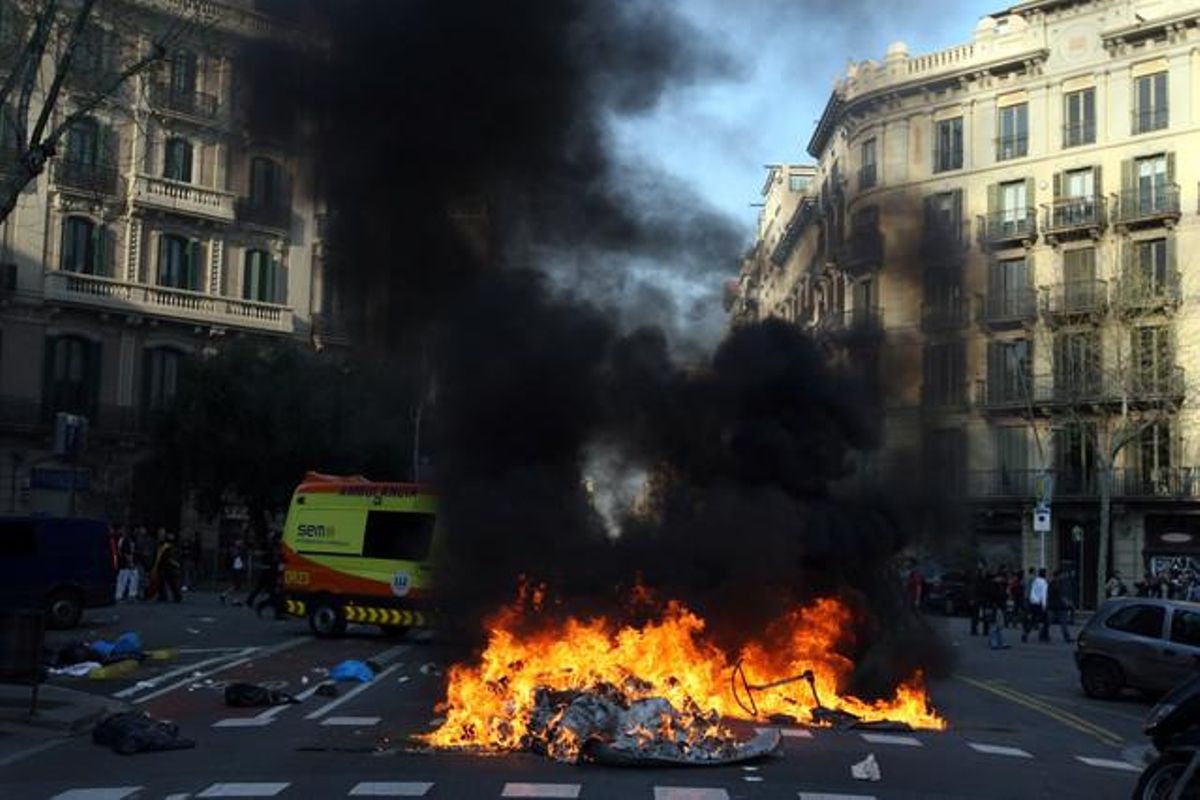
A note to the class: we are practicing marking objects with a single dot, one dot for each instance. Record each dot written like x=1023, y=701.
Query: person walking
x=998, y=600
x=1058, y=605
x=167, y=569
x=270, y=579
x=1039, y=591
x=127, y=575
x=1115, y=587
x=237, y=573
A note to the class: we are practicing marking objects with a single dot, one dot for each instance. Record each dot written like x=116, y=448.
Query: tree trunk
x=1105, y=532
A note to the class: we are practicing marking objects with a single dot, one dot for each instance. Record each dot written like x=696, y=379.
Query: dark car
x=1138, y=642
x=62, y=564
x=946, y=593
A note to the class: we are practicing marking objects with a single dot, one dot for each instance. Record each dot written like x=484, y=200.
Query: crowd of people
x=1174, y=583
x=162, y=567
x=1000, y=599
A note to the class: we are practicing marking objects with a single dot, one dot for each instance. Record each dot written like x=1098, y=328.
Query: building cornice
x=1151, y=29
x=839, y=106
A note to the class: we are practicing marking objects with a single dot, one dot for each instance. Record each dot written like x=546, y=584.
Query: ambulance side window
x=398, y=535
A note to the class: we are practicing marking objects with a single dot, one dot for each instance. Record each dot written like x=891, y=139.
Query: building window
x=1014, y=207
x=1013, y=141
x=1153, y=187
x=83, y=143
x=1079, y=111
x=1075, y=458
x=178, y=263
x=948, y=145
x=1153, y=360
x=177, y=164
x=1076, y=365
x=72, y=375
x=261, y=277
x=1012, y=459
x=944, y=374
x=79, y=245
x=1154, y=452
x=867, y=171
x=265, y=182
x=93, y=56
x=799, y=183
x=1150, y=105
x=1151, y=266
x=160, y=378
x=1010, y=371
x=183, y=73
x=1076, y=200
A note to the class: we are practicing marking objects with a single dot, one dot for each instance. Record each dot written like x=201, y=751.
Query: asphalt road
x=1020, y=727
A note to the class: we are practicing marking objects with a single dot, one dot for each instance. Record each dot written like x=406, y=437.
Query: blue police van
x=61, y=564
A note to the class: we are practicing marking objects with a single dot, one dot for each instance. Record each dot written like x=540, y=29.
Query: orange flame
x=489, y=705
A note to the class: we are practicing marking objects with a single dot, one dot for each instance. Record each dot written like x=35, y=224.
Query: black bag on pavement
x=249, y=695
x=129, y=733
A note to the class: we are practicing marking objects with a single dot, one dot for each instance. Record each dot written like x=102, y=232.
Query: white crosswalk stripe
x=243, y=722
x=567, y=791
x=891, y=738
x=788, y=733
x=361, y=722
x=260, y=789
x=99, y=793
x=385, y=789
x=1108, y=763
x=999, y=750
x=689, y=793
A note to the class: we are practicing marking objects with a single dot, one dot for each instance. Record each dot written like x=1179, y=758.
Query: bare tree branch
x=37, y=50
x=60, y=71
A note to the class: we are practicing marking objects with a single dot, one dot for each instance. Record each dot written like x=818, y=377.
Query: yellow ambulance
x=356, y=550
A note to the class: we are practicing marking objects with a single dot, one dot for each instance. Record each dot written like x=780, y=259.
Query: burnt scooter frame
x=1174, y=727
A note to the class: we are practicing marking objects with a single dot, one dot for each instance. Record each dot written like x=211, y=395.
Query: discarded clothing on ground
x=249, y=695
x=351, y=670
x=80, y=669
x=127, y=645
x=603, y=727
x=327, y=690
x=129, y=733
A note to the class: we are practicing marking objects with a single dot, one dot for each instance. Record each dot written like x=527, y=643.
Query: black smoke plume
x=481, y=217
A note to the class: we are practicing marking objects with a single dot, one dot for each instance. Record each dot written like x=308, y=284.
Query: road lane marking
x=244, y=790
x=158, y=680
x=1032, y=703
x=41, y=747
x=753, y=778
x=357, y=690
x=689, y=793
x=826, y=796
x=242, y=722
x=568, y=791
x=1109, y=763
x=384, y=789
x=110, y=793
x=788, y=733
x=999, y=750
x=192, y=677
x=891, y=738
x=351, y=721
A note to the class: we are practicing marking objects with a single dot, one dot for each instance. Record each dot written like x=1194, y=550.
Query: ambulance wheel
x=395, y=631
x=327, y=619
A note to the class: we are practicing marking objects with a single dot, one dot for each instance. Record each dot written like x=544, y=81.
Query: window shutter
x=192, y=267
x=1172, y=258
x=108, y=252
x=65, y=249
x=1030, y=193
x=1170, y=168
x=205, y=156
x=185, y=150
x=95, y=251
x=1058, y=186
x=930, y=212
x=956, y=223
x=281, y=283
x=164, y=277
x=993, y=200
x=1097, y=181
x=1128, y=176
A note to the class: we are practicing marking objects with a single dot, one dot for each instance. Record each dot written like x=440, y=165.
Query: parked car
x=1138, y=643
x=946, y=593
x=62, y=564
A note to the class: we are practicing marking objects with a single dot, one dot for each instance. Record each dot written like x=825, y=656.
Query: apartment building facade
x=1000, y=236
x=160, y=230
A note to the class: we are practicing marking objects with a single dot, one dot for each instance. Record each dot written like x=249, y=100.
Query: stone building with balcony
x=1016, y=218
x=160, y=229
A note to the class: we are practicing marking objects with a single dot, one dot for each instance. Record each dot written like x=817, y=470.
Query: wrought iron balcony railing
x=1077, y=298
x=1137, y=291
x=83, y=177
x=945, y=316
x=862, y=250
x=191, y=103
x=1009, y=307
x=1082, y=214
x=1010, y=226
x=277, y=216
x=1077, y=135
x=1010, y=147
x=1151, y=119
x=1150, y=204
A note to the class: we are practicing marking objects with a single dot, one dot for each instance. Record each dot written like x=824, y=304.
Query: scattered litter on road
x=129, y=733
x=192, y=630
x=351, y=670
x=430, y=668
x=79, y=670
x=248, y=695
x=753, y=778
x=403, y=679
x=866, y=770
x=327, y=690
x=115, y=669
x=304, y=680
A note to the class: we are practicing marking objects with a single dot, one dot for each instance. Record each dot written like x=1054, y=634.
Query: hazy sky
x=787, y=54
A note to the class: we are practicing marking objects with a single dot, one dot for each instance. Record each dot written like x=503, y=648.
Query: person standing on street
x=127, y=567
x=1058, y=605
x=167, y=569
x=269, y=580
x=1039, y=591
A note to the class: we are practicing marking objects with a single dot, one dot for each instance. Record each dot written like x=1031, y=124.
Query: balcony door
x=1010, y=364
x=1008, y=288
x=1152, y=184
x=1151, y=268
x=1153, y=359
x=1080, y=291
x=83, y=143
x=1076, y=365
x=178, y=263
x=1012, y=459
x=71, y=375
x=1014, y=206
x=1075, y=458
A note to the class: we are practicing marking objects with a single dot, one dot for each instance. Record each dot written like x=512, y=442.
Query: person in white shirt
x=1039, y=596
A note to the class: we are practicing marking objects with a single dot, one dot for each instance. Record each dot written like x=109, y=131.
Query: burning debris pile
x=592, y=690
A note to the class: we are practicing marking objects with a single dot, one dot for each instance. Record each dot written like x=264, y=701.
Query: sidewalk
x=60, y=710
